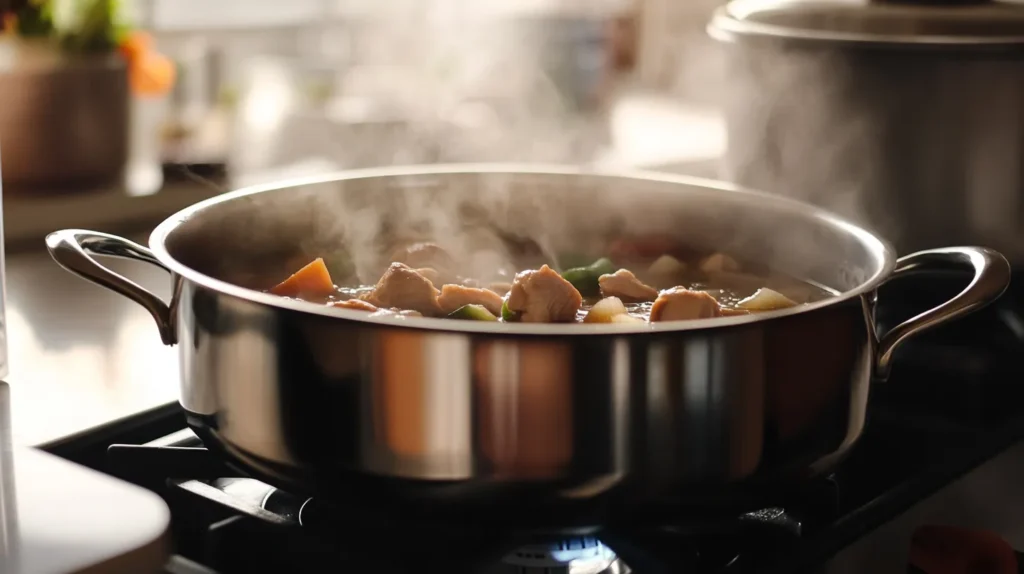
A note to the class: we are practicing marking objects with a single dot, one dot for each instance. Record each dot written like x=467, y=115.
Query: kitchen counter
x=80, y=355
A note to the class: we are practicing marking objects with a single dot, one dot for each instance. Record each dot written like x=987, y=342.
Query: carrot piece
x=313, y=280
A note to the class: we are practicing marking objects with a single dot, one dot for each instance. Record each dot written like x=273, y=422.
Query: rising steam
x=801, y=126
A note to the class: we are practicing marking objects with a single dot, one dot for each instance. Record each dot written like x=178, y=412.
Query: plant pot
x=63, y=118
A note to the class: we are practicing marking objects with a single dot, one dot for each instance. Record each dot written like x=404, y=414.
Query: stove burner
x=582, y=555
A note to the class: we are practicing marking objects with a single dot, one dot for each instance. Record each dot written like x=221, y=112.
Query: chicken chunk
x=543, y=296
x=424, y=254
x=624, y=285
x=455, y=296
x=402, y=287
x=430, y=274
x=680, y=304
x=354, y=304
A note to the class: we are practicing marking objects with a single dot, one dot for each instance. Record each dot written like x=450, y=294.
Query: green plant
x=77, y=25
x=35, y=19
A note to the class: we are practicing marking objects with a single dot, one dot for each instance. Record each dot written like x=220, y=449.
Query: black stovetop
x=953, y=402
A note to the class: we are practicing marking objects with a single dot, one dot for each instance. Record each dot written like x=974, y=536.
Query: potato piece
x=766, y=299
x=719, y=262
x=667, y=266
x=627, y=318
x=605, y=311
x=313, y=280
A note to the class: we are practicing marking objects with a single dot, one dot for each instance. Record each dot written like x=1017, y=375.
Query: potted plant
x=68, y=69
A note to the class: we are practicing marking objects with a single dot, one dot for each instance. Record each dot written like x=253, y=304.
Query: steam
x=452, y=81
x=480, y=86
x=804, y=126
x=461, y=81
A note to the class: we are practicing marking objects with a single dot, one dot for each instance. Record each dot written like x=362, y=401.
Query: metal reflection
x=8, y=502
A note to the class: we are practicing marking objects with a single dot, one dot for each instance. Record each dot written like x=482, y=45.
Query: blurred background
x=265, y=90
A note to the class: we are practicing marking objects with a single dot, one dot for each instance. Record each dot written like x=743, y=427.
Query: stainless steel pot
x=906, y=117
x=465, y=413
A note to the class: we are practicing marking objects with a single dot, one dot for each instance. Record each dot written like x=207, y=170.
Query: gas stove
x=944, y=446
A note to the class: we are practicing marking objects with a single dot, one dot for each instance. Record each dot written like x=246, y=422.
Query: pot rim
x=726, y=28
x=879, y=249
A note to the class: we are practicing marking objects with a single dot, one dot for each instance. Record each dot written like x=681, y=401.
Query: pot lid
x=911, y=22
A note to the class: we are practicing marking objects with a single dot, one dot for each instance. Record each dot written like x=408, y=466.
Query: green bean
x=472, y=313
x=585, y=279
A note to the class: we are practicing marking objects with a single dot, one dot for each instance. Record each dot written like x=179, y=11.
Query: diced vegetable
x=627, y=318
x=605, y=310
x=719, y=262
x=473, y=313
x=584, y=279
x=507, y=314
x=667, y=266
x=766, y=299
x=312, y=280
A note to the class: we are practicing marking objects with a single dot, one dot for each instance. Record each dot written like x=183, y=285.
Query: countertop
x=80, y=355
x=58, y=517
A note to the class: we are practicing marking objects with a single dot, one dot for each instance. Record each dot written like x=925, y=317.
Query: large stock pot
x=333, y=402
x=907, y=116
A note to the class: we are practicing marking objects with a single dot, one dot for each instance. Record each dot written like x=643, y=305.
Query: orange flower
x=149, y=72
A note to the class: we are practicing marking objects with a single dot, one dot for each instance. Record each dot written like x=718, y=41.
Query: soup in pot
x=648, y=279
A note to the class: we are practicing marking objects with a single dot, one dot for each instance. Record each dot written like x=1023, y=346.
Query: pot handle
x=71, y=249
x=991, y=278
